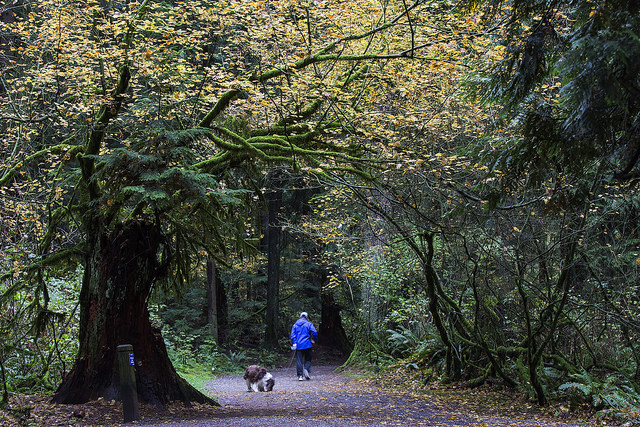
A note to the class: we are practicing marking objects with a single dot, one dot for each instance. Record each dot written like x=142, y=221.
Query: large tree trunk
x=331, y=332
x=120, y=271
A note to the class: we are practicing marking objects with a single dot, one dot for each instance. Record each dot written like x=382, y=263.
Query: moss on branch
x=356, y=74
x=56, y=258
x=267, y=140
x=308, y=112
x=305, y=62
x=281, y=130
x=96, y=136
x=223, y=144
x=284, y=141
x=216, y=161
x=71, y=150
x=323, y=54
x=220, y=106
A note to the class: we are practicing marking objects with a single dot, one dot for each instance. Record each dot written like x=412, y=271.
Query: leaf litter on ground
x=394, y=397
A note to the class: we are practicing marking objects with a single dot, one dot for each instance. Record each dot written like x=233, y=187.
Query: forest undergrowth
x=495, y=399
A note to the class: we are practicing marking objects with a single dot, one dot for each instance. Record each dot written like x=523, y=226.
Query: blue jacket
x=302, y=333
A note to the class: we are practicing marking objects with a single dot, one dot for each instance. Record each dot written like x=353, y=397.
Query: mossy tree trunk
x=331, y=331
x=120, y=270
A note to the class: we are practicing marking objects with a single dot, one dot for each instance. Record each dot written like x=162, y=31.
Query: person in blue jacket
x=303, y=336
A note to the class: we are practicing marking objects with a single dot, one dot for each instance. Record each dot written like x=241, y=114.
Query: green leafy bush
x=611, y=392
x=38, y=341
x=402, y=342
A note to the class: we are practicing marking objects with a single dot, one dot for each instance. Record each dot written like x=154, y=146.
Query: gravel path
x=333, y=399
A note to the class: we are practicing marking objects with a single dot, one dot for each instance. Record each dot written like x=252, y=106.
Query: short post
x=128, y=390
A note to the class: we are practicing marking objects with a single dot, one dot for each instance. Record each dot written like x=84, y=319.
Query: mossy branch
x=96, y=136
x=220, y=106
x=323, y=55
x=55, y=258
x=308, y=112
x=305, y=62
x=284, y=141
x=223, y=144
x=234, y=137
x=281, y=130
x=269, y=140
x=142, y=10
x=216, y=162
x=358, y=73
x=52, y=226
x=72, y=150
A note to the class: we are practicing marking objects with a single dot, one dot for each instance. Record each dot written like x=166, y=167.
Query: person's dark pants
x=303, y=360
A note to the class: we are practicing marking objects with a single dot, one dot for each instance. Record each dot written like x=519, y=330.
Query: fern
x=402, y=342
x=572, y=386
x=553, y=373
x=612, y=392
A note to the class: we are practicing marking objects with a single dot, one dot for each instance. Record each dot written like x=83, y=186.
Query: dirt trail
x=333, y=399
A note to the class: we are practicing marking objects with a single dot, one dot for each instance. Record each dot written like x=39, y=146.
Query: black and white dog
x=258, y=379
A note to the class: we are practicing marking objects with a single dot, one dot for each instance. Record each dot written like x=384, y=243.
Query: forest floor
x=330, y=398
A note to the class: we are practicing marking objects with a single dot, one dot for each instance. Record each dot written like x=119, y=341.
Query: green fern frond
x=573, y=386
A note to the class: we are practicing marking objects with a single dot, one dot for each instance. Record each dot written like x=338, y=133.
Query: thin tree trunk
x=212, y=299
x=223, y=313
x=5, y=391
x=434, y=307
x=274, y=199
